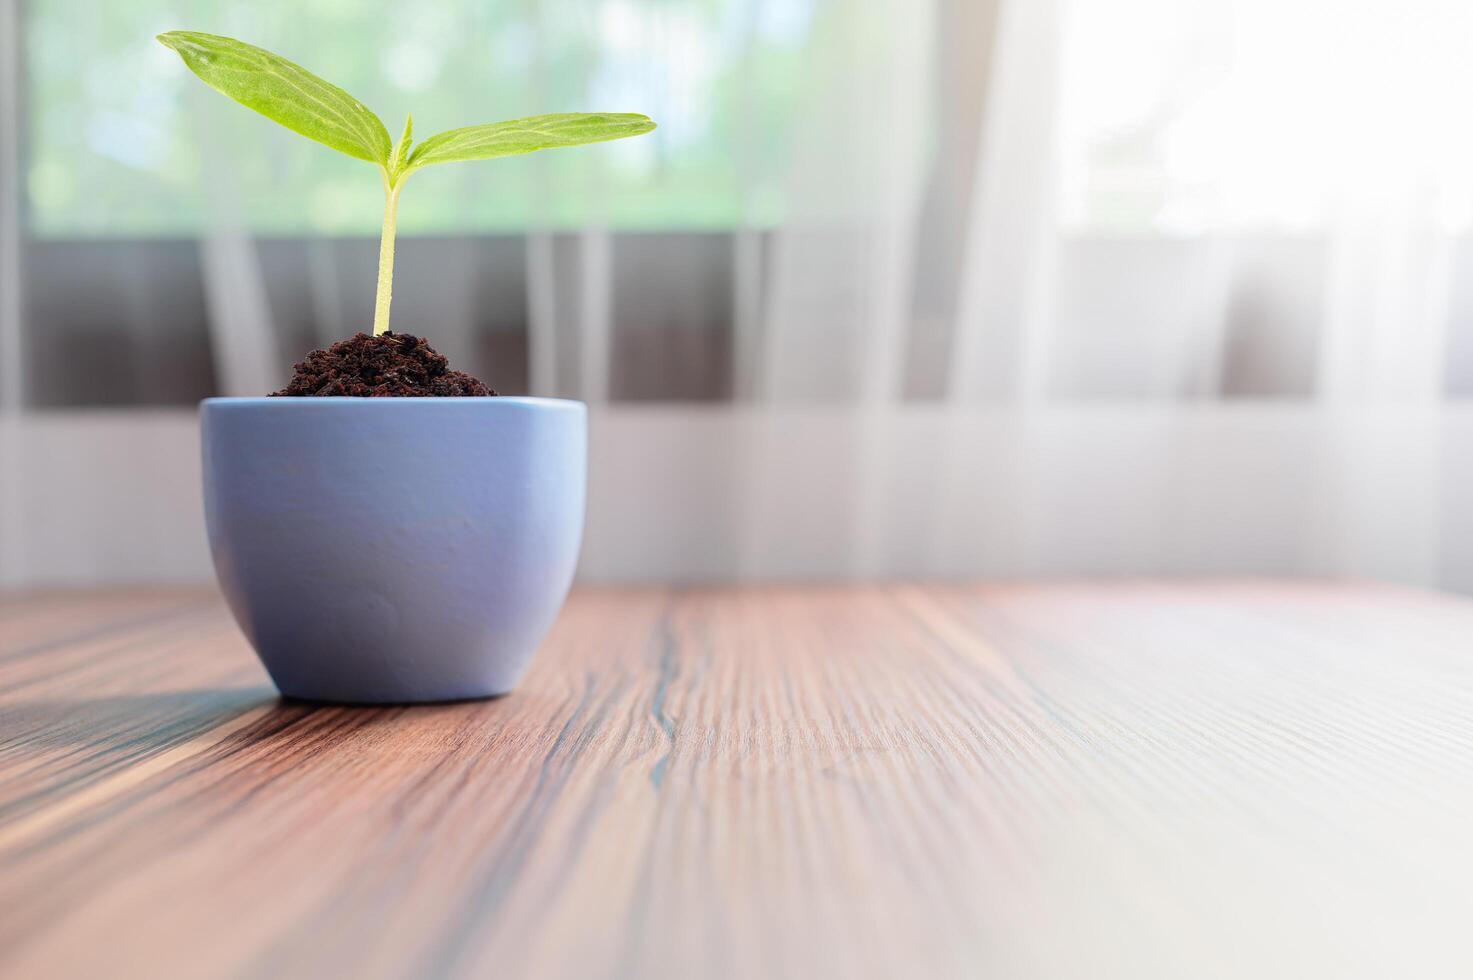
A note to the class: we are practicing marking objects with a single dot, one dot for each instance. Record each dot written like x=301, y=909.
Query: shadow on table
x=134, y=721
x=57, y=746
x=142, y=723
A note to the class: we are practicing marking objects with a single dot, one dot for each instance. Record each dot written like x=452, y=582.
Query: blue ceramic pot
x=394, y=549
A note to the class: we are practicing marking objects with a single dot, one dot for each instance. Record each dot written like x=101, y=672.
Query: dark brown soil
x=392, y=365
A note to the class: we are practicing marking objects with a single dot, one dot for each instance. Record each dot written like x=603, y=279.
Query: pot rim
x=302, y=401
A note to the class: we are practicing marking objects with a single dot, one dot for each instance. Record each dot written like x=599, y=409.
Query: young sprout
x=305, y=104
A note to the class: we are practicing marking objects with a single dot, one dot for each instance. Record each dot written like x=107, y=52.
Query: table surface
x=1126, y=779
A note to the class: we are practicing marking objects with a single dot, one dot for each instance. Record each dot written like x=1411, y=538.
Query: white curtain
x=1055, y=286
x=1201, y=311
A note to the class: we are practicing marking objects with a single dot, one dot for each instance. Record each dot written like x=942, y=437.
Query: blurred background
x=898, y=288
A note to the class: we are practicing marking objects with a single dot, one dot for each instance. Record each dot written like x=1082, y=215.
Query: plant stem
x=386, y=258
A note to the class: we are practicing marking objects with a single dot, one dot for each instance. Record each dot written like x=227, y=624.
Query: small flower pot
x=394, y=550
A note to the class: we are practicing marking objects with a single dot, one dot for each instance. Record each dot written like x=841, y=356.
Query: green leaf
x=284, y=93
x=401, y=148
x=504, y=139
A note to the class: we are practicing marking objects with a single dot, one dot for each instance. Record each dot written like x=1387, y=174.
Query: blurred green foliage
x=121, y=143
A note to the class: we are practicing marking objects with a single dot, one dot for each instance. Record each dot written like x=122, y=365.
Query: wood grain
x=1131, y=779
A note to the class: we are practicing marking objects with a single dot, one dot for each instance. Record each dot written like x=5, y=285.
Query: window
x=129, y=161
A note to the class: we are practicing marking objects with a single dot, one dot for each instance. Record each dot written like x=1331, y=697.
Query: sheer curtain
x=931, y=287
x=1200, y=317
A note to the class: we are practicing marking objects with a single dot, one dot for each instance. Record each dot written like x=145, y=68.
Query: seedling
x=297, y=99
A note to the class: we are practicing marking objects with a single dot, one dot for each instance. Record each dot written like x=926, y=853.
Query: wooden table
x=1132, y=779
